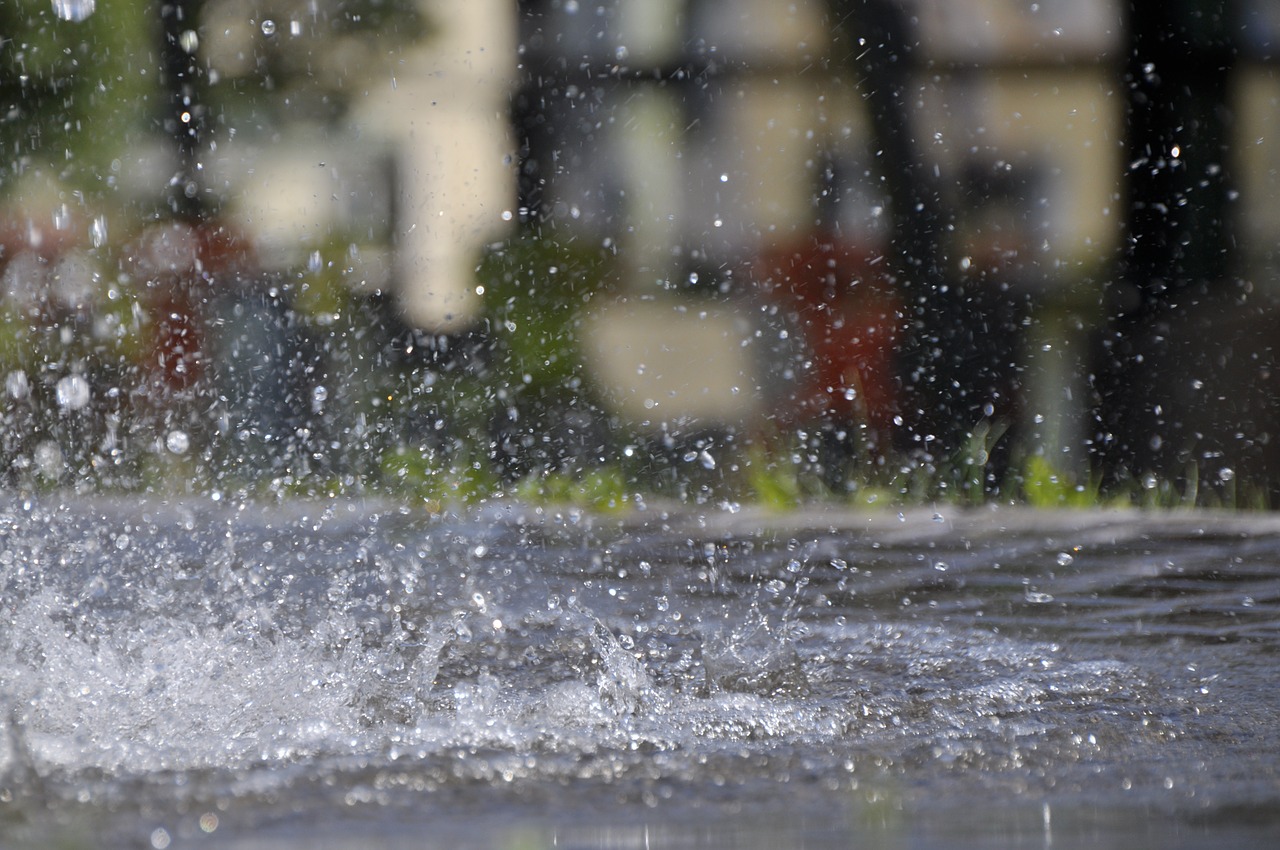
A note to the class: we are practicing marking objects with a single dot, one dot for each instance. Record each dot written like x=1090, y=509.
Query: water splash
x=292, y=654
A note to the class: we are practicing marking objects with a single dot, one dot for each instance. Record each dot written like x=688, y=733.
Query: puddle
x=334, y=674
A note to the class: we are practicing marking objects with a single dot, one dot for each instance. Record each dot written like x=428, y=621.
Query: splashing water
x=268, y=664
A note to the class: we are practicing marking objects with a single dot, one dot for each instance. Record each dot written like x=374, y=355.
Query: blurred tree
x=72, y=93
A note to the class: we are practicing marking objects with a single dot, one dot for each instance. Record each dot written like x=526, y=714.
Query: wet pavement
x=342, y=673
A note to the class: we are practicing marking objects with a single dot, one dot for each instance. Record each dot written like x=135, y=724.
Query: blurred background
x=898, y=250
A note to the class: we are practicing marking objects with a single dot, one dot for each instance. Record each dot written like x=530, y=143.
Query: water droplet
x=72, y=392
x=74, y=10
x=48, y=459
x=98, y=231
x=1064, y=558
x=17, y=385
x=268, y=28
x=1226, y=473
x=177, y=442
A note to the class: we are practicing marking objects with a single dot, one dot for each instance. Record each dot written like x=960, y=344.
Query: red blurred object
x=838, y=298
x=181, y=265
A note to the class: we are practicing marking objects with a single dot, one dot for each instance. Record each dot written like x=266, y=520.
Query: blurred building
x=720, y=144
x=892, y=219
x=390, y=143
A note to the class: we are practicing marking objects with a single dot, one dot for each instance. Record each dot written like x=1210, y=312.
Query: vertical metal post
x=1178, y=257
x=936, y=338
x=183, y=115
x=1180, y=63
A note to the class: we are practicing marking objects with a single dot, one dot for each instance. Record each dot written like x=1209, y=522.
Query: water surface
x=346, y=674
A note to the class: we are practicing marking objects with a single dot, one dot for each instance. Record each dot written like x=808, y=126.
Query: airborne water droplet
x=177, y=442
x=74, y=10
x=72, y=392
x=17, y=385
x=98, y=231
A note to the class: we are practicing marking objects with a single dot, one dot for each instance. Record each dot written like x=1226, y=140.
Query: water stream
x=347, y=674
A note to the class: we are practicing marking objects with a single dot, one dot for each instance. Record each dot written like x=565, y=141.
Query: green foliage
x=1044, y=486
x=430, y=477
x=534, y=291
x=602, y=488
x=72, y=98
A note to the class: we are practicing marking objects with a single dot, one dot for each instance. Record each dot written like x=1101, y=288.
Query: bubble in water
x=1064, y=558
x=74, y=10
x=72, y=392
x=268, y=28
x=177, y=442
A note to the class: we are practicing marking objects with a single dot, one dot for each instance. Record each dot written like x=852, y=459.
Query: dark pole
x=1177, y=79
x=1178, y=259
x=183, y=114
x=878, y=49
x=177, y=293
